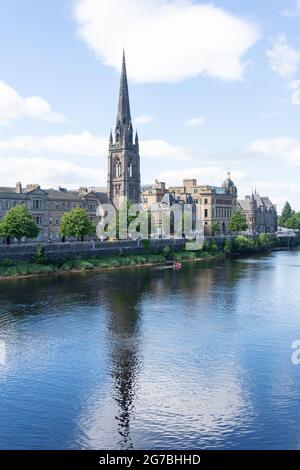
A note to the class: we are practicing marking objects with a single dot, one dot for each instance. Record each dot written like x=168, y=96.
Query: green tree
x=215, y=228
x=76, y=223
x=293, y=222
x=286, y=214
x=243, y=244
x=263, y=241
x=237, y=222
x=18, y=223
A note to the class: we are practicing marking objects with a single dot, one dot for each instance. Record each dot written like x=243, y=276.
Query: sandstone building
x=217, y=204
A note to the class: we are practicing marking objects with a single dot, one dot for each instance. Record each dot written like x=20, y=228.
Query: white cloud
x=295, y=86
x=48, y=173
x=84, y=144
x=89, y=145
x=166, y=41
x=144, y=119
x=281, y=148
x=194, y=122
x=284, y=59
x=13, y=106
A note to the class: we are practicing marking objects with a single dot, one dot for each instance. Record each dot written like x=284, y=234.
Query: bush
x=46, y=269
x=40, y=256
x=263, y=241
x=85, y=265
x=7, y=262
x=228, y=246
x=243, y=244
x=213, y=247
x=166, y=251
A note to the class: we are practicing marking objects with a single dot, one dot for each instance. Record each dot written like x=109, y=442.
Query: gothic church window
x=117, y=168
x=130, y=169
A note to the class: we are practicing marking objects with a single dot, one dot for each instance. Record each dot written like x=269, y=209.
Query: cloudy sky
x=214, y=87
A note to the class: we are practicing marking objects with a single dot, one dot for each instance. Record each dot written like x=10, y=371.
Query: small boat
x=177, y=265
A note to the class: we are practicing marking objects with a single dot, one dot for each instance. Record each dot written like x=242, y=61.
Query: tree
x=76, y=223
x=237, y=222
x=293, y=222
x=243, y=244
x=18, y=223
x=215, y=228
x=286, y=214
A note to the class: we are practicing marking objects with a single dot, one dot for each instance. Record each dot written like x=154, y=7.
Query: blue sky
x=214, y=87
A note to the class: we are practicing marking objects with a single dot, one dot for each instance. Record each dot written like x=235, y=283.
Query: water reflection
x=152, y=358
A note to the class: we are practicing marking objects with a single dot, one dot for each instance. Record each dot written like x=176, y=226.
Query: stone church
x=123, y=178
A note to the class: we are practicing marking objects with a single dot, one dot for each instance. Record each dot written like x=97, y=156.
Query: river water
x=149, y=358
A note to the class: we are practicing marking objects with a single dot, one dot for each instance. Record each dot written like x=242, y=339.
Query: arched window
x=117, y=168
x=130, y=169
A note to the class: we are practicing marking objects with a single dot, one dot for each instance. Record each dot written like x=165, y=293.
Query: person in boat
x=176, y=264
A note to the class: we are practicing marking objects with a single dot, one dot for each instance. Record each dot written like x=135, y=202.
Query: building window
x=37, y=204
x=57, y=221
x=205, y=213
x=205, y=201
x=38, y=220
x=130, y=169
x=117, y=168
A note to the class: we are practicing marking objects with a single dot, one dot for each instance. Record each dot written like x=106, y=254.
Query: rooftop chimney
x=19, y=187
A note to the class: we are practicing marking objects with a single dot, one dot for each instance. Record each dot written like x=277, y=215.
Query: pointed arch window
x=130, y=169
x=118, y=168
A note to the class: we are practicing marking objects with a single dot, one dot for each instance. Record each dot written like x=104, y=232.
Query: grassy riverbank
x=237, y=246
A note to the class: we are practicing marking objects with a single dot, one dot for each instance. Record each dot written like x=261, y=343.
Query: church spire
x=124, y=116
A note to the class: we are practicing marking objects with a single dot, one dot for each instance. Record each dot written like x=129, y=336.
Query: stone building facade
x=217, y=204
x=260, y=212
x=153, y=194
x=49, y=205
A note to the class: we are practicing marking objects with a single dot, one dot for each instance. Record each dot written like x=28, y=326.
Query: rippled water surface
x=151, y=358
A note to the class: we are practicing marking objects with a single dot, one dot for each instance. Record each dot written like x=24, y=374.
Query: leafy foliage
x=215, y=228
x=76, y=223
x=18, y=223
x=286, y=214
x=40, y=256
x=293, y=222
x=237, y=222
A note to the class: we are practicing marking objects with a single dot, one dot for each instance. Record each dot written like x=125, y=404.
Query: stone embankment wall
x=60, y=251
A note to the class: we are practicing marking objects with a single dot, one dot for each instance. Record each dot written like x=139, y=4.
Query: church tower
x=123, y=179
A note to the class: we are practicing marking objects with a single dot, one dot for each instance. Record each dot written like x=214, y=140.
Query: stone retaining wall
x=60, y=251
